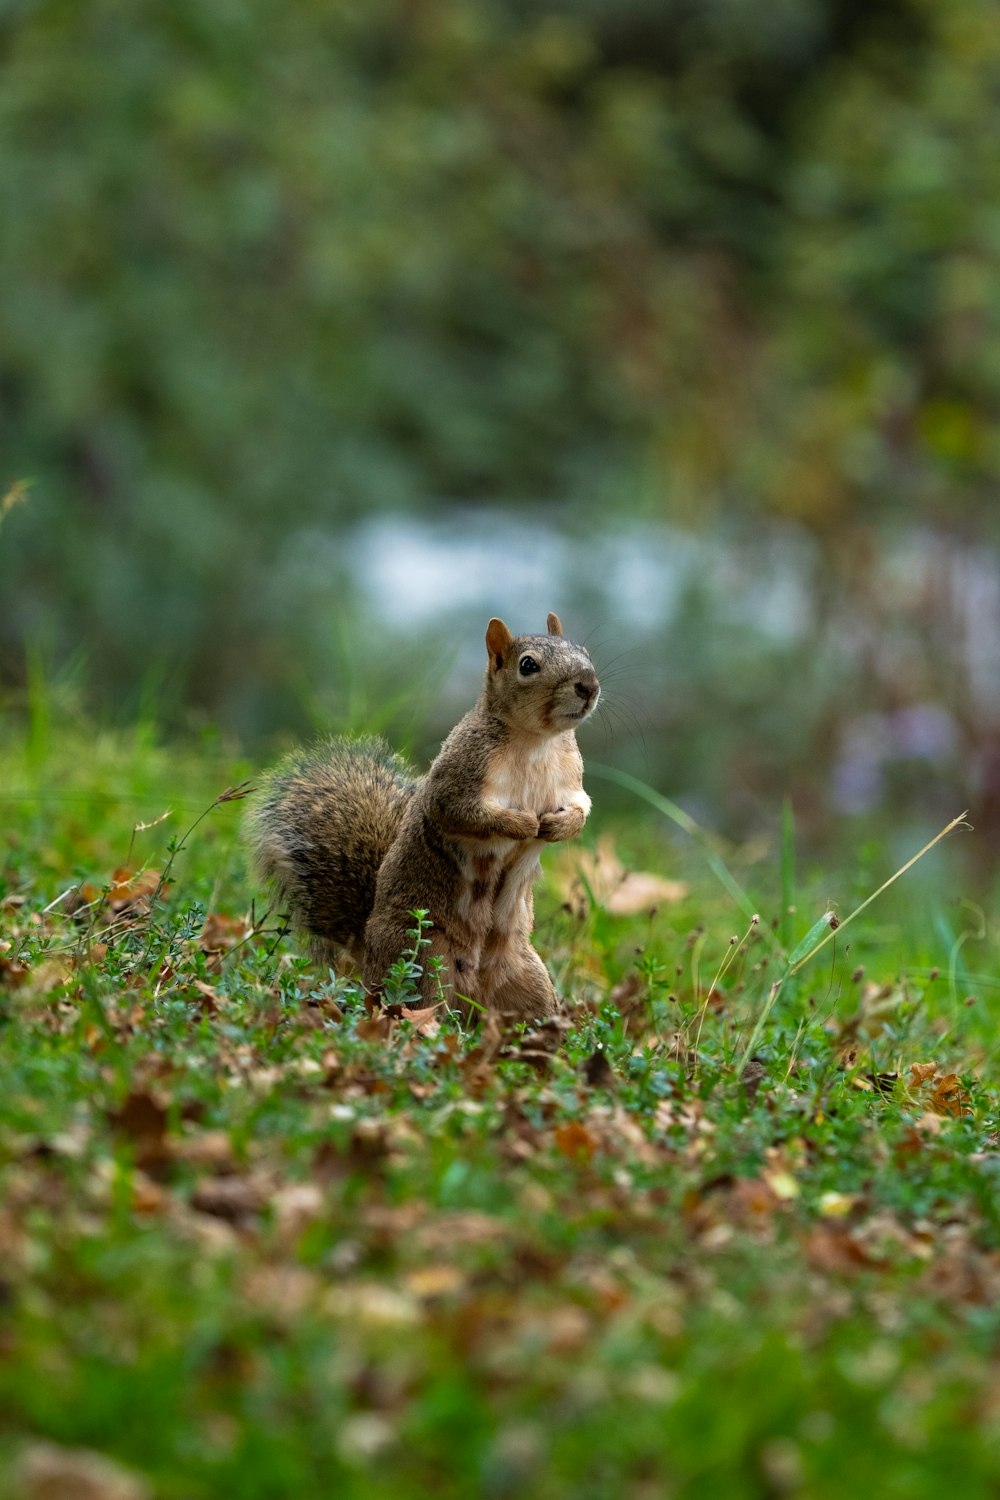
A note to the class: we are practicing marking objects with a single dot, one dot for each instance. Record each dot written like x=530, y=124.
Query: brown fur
x=319, y=831
x=463, y=843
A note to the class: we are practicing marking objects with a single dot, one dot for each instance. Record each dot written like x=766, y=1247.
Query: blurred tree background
x=328, y=329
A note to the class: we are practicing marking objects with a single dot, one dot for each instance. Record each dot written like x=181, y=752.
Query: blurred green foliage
x=264, y=269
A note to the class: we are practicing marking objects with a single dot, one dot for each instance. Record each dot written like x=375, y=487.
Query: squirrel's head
x=543, y=684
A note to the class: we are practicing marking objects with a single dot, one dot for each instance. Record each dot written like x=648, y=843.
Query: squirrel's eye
x=527, y=665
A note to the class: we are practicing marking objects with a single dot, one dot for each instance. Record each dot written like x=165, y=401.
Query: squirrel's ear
x=498, y=642
x=555, y=625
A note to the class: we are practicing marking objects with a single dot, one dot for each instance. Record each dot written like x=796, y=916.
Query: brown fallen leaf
x=296, y=1205
x=726, y=1203
x=945, y=1093
x=46, y=1471
x=964, y=1274
x=876, y=1083
x=424, y=1020
x=836, y=1251
x=565, y=1330
x=211, y=1150
x=949, y=1096
x=620, y=891
x=284, y=1292
x=752, y=1200
x=538, y=1046
x=207, y=999
x=129, y=887
x=219, y=935
x=522, y=1138
x=477, y=1064
x=12, y=973
x=147, y=1196
x=375, y=1028
x=234, y=1199
x=447, y=1231
x=630, y=993
x=131, y=895
x=142, y=1118
x=574, y=1141
x=641, y=891
x=428, y=1282
x=366, y=1152
x=887, y=1239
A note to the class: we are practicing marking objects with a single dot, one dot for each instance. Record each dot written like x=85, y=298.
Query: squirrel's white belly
x=522, y=870
x=535, y=782
x=498, y=875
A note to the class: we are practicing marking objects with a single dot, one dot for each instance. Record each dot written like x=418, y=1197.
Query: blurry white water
x=912, y=647
x=519, y=565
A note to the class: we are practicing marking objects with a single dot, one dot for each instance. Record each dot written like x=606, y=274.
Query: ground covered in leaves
x=700, y=1235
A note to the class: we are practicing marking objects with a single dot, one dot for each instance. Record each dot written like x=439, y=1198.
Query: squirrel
x=355, y=842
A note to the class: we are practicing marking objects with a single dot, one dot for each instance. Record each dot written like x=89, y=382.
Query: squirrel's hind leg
x=520, y=985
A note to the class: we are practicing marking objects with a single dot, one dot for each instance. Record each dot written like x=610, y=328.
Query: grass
x=708, y=1234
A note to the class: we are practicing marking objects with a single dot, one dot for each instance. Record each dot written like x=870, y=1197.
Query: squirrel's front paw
x=523, y=825
x=564, y=823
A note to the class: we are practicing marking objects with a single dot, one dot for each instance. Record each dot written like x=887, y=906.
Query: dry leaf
x=234, y=1199
x=835, y=1251
x=575, y=1141
x=143, y=1119
x=147, y=1196
x=131, y=891
x=565, y=1329
x=433, y=1281
x=296, y=1206
x=945, y=1093
x=376, y=1028
x=211, y=1150
x=641, y=891
x=752, y=1200
x=620, y=891
x=424, y=1020
x=49, y=1472
x=446, y=1231
x=12, y=974
x=220, y=934
x=949, y=1096
x=629, y=994
x=285, y=1292
x=209, y=1001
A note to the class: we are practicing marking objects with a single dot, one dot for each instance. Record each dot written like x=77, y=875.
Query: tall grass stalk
x=787, y=872
x=822, y=931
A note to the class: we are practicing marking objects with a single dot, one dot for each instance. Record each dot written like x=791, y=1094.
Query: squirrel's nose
x=586, y=688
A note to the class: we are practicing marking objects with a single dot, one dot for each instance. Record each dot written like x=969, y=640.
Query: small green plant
x=402, y=985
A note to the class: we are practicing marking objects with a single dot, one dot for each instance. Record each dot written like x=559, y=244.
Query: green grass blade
x=813, y=939
x=684, y=821
x=787, y=871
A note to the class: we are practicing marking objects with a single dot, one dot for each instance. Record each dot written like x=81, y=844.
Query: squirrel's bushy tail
x=319, y=829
